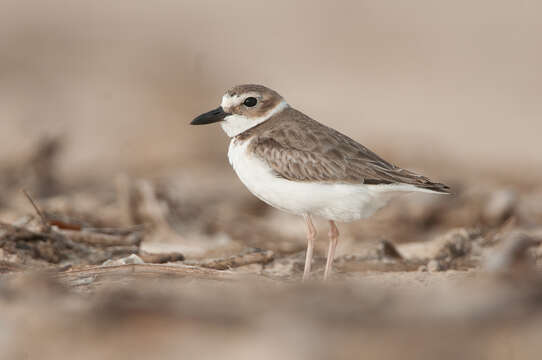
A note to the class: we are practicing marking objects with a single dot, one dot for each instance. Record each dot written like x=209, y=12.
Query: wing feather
x=305, y=150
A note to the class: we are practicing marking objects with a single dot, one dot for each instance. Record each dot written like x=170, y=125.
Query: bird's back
x=301, y=149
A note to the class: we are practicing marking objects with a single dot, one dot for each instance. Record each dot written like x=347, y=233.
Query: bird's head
x=242, y=108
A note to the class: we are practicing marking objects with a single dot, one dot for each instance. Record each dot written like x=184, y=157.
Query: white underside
x=339, y=202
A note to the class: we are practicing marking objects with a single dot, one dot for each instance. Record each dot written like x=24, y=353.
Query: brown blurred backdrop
x=417, y=81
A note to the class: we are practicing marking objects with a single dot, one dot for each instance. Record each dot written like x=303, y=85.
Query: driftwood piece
x=250, y=256
x=117, y=231
x=160, y=258
x=100, y=239
x=97, y=275
x=64, y=225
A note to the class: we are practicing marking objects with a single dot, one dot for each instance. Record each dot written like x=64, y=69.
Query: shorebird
x=303, y=167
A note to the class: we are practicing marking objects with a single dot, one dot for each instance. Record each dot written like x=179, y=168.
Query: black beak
x=210, y=117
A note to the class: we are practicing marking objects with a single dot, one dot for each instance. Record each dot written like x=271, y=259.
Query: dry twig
x=250, y=256
x=99, y=239
x=44, y=222
x=160, y=258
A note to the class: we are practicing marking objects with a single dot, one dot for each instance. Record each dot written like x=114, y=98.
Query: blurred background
x=456, y=84
x=149, y=246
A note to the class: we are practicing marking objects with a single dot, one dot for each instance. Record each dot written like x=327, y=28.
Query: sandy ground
x=155, y=267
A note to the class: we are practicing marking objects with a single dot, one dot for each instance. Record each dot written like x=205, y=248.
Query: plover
x=303, y=167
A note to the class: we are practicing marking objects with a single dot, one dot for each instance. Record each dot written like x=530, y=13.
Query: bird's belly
x=340, y=202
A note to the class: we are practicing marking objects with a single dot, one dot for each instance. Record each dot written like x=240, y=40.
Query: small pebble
x=132, y=259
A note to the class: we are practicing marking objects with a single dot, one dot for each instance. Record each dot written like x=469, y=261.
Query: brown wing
x=302, y=149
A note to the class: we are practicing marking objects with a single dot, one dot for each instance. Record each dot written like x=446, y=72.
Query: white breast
x=340, y=202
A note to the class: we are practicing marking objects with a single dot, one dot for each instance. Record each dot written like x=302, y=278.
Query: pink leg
x=333, y=240
x=311, y=236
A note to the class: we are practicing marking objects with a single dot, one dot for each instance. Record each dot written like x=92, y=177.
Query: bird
x=303, y=167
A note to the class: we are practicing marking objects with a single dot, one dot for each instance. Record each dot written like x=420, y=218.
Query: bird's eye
x=250, y=101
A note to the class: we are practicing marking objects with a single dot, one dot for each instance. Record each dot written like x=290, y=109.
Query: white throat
x=234, y=125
